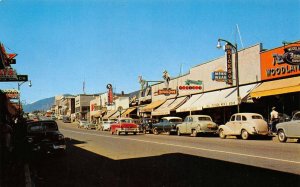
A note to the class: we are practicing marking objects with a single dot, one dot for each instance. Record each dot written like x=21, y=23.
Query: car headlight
x=60, y=137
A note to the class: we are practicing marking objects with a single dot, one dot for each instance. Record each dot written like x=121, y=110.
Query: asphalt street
x=96, y=158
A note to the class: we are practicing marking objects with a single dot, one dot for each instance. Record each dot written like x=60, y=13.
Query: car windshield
x=50, y=126
x=204, y=119
x=256, y=117
x=126, y=120
x=175, y=120
x=35, y=127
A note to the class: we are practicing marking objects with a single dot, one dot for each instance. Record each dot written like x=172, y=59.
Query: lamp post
x=19, y=86
x=234, y=46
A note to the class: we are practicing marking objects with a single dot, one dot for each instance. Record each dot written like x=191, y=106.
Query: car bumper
x=128, y=130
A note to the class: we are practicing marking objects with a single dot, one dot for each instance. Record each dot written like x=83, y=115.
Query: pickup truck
x=124, y=125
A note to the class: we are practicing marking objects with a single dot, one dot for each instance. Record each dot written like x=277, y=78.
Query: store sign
x=189, y=82
x=11, y=93
x=167, y=92
x=187, y=87
x=110, y=97
x=280, y=62
x=219, y=75
x=292, y=55
x=228, y=50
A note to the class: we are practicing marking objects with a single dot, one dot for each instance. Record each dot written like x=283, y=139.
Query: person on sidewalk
x=274, y=119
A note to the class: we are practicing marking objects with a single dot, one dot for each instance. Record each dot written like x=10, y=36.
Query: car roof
x=247, y=114
x=171, y=117
x=198, y=116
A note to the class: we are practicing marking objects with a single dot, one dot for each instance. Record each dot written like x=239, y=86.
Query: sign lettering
x=228, y=50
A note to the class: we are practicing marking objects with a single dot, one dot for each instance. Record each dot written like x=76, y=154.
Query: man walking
x=274, y=119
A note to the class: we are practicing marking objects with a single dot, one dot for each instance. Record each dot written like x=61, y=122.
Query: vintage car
x=166, y=125
x=290, y=129
x=66, y=119
x=44, y=136
x=146, y=125
x=89, y=125
x=106, y=125
x=197, y=124
x=81, y=123
x=124, y=125
x=243, y=125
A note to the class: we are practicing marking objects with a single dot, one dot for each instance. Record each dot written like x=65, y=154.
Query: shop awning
x=115, y=115
x=277, y=87
x=173, y=104
x=163, y=107
x=109, y=114
x=151, y=106
x=187, y=105
x=220, y=98
x=128, y=111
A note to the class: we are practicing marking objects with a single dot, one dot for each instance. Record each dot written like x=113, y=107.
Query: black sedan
x=166, y=125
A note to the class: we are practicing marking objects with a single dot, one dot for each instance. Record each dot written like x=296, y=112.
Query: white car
x=106, y=125
x=244, y=125
x=82, y=123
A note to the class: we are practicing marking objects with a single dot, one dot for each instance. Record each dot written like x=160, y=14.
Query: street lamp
x=19, y=86
x=236, y=68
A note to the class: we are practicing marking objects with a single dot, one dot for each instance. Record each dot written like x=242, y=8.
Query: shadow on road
x=79, y=167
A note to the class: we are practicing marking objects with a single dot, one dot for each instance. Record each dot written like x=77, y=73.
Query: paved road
x=97, y=158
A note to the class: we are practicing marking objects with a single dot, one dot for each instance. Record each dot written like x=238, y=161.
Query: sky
x=63, y=43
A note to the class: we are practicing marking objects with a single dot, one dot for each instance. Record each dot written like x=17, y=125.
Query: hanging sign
x=11, y=93
x=167, y=92
x=292, y=55
x=228, y=50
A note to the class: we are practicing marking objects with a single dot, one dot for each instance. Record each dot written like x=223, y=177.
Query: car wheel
x=118, y=132
x=194, y=133
x=222, y=134
x=178, y=132
x=281, y=136
x=244, y=134
x=155, y=131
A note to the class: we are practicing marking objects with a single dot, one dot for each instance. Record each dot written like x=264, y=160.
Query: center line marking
x=189, y=147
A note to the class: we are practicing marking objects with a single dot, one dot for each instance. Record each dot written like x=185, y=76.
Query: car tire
x=178, y=132
x=118, y=132
x=221, y=134
x=155, y=131
x=244, y=135
x=281, y=136
x=194, y=133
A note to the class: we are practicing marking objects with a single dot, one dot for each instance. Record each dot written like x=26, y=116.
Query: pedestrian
x=274, y=119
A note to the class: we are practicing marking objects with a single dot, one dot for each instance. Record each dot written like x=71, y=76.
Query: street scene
x=149, y=93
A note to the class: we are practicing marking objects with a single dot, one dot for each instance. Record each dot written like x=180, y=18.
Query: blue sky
x=61, y=43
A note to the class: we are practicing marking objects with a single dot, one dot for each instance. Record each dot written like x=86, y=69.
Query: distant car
x=124, y=125
x=166, y=125
x=53, y=117
x=244, y=125
x=44, y=136
x=89, y=125
x=289, y=129
x=66, y=119
x=81, y=123
x=106, y=125
x=196, y=124
x=146, y=125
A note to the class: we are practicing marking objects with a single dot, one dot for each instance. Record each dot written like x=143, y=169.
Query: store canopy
x=109, y=114
x=163, y=107
x=277, y=87
x=115, y=115
x=151, y=106
x=128, y=111
x=187, y=105
x=220, y=98
x=172, y=105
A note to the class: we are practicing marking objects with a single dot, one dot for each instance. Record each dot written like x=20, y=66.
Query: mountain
x=43, y=104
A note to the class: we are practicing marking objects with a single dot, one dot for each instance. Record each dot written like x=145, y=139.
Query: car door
x=293, y=128
x=238, y=124
x=189, y=125
x=166, y=125
x=231, y=125
x=183, y=126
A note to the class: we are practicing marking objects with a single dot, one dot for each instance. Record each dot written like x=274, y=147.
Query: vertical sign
x=228, y=50
x=109, y=94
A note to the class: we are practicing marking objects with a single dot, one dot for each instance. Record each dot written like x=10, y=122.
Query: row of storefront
x=265, y=80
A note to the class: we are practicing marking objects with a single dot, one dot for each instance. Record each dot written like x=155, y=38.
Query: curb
x=28, y=182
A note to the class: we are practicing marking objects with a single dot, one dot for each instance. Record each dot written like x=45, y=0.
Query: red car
x=124, y=125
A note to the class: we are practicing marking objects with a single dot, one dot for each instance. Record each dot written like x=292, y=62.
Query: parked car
x=81, y=123
x=44, y=136
x=60, y=117
x=66, y=119
x=106, y=125
x=167, y=125
x=124, y=125
x=290, y=129
x=146, y=125
x=89, y=125
x=244, y=125
x=53, y=117
x=196, y=124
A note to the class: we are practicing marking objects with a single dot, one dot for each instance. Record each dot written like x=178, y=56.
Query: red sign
x=166, y=92
x=11, y=93
x=190, y=87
